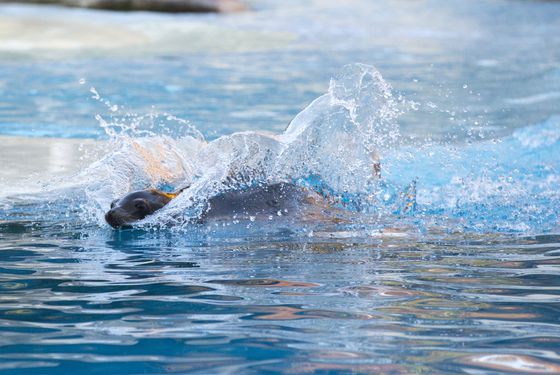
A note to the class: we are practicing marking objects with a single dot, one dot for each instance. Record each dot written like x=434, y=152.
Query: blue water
x=448, y=262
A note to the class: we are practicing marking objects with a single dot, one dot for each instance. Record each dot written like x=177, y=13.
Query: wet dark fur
x=135, y=206
x=266, y=200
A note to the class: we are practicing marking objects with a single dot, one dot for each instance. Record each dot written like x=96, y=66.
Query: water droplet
x=465, y=86
x=96, y=95
x=82, y=81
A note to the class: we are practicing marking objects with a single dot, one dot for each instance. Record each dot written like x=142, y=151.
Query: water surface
x=447, y=263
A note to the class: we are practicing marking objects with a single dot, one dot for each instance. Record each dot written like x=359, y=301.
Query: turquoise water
x=446, y=263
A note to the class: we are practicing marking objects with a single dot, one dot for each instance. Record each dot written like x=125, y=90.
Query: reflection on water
x=162, y=303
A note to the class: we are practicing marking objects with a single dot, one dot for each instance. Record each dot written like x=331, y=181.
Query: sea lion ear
x=168, y=195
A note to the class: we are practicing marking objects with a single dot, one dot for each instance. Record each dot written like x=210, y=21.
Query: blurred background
x=471, y=70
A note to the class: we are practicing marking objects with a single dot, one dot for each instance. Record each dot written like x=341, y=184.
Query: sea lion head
x=136, y=206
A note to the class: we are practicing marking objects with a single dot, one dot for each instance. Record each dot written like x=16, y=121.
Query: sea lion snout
x=114, y=219
x=119, y=218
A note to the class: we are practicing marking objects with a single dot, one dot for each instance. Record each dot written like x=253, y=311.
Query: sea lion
x=254, y=202
x=136, y=206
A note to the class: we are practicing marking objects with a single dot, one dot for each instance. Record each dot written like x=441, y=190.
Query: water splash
x=339, y=136
x=335, y=146
x=331, y=146
x=501, y=185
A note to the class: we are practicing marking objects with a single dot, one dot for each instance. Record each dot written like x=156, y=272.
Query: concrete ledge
x=27, y=163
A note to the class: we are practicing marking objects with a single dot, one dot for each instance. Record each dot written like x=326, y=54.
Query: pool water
x=448, y=262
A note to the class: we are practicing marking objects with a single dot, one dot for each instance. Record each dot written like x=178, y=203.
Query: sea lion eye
x=140, y=204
